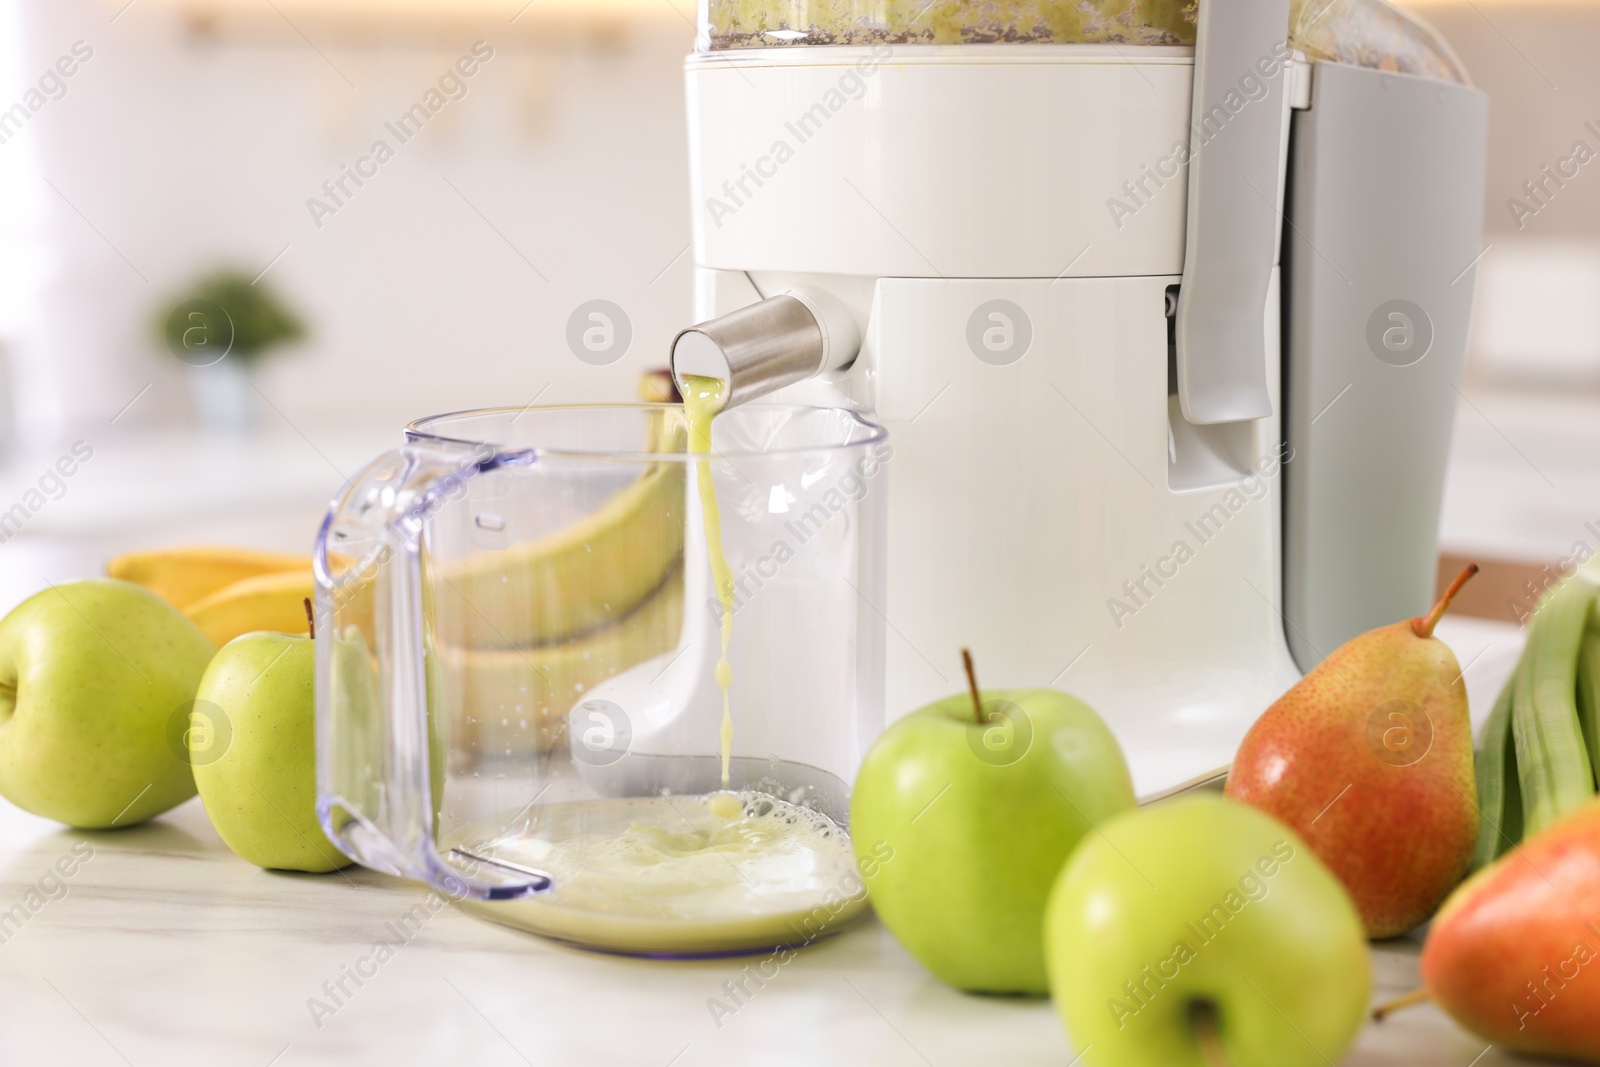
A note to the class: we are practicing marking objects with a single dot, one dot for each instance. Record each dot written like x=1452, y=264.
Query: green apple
x=91, y=675
x=960, y=827
x=1203, y=919
x=253, y=746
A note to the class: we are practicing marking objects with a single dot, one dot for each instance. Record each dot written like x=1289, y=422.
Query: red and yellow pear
x=1369, y=759
x=1514, y=953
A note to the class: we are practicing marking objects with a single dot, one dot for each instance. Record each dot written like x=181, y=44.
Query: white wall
x=1536, y=60
x=184, y=152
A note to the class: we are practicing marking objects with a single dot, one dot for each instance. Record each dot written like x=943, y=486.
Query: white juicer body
x=1076, y=495
x=1049, y=506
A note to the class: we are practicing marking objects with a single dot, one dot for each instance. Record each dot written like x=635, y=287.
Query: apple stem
x=1384, y=1010
x=1424, y=626
x=972, y=686
x=311, y=618
x=1203, y=1018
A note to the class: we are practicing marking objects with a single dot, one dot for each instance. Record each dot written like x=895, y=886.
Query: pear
x=1514, y=954
x=1369, y=758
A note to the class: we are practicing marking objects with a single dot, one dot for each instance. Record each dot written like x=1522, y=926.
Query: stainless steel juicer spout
x=763, y=347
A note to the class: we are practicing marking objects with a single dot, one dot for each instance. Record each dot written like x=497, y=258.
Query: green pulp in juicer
x=1365, y=33
x=745, y=23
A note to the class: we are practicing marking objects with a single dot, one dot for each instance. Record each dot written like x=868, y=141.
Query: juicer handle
x=1236, y=141
x=380, y=750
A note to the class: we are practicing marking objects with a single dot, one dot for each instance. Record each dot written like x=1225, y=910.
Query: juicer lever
x=1237, y=130
x=761, y=348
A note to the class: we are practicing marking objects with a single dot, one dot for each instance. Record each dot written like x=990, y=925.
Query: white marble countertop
x=165, y=948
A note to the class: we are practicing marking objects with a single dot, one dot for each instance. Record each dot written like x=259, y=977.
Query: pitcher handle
x=379, y=751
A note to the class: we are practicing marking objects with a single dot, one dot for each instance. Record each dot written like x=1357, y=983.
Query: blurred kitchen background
x=191, y=135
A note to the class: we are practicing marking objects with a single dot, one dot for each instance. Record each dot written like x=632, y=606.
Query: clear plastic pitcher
x=518, y=693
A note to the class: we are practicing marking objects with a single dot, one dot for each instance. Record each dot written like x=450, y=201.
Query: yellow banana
x=657, y=387
x=515, y=701
x=264, y=602
x=183, y=576
x=578, y=579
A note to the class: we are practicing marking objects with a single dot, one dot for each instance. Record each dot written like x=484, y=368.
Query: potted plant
x=222, y=328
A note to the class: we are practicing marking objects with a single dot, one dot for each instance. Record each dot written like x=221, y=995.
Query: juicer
x=1164, y=309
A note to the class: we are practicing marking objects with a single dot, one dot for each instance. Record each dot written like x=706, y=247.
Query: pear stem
x=311, y=618
x=972, y=686
x=1203, y=1018
x=1423, y=627
x=1416, y=996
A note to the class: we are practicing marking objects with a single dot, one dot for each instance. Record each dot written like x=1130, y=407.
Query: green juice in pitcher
x=682, y=876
